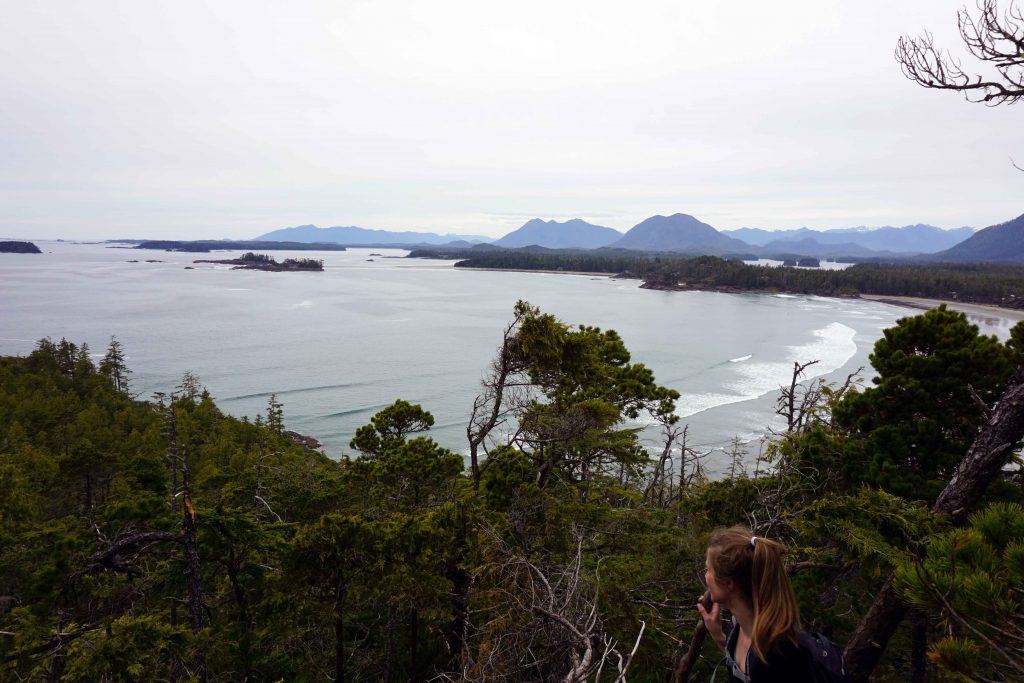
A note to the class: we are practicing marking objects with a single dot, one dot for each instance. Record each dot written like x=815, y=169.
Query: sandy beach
x=979, y=310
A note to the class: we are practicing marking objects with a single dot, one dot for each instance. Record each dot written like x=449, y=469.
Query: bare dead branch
x=993, y=39
x=56, y=642
x=501, y=386
x=121, y=555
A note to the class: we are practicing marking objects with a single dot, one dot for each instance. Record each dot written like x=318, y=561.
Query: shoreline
x=921, y=304
x=911, y=302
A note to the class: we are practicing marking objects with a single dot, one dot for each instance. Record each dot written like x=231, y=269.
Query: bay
x=337, y=346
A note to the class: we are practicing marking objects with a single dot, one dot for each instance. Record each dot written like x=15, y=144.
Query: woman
x=745, y=575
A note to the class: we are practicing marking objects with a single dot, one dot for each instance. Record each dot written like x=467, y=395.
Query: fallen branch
x=124, y=551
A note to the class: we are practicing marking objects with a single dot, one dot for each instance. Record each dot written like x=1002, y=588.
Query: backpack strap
x=730, y=652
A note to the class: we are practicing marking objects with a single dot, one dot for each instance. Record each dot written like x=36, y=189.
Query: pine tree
x=971, y=580
x=937, y=380
x=113, y=366
x=275, y=414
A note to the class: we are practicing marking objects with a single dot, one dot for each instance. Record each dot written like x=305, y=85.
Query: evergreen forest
x=980, y=283
x=158, y=539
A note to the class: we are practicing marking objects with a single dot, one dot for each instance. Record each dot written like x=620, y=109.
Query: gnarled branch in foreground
x=994, y=39
x=985, y=458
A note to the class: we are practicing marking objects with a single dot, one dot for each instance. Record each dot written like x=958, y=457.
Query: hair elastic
x=753, y=541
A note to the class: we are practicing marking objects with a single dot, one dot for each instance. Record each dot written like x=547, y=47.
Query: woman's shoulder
x=785, y=662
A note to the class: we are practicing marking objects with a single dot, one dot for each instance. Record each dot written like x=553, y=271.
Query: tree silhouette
x=993, y=38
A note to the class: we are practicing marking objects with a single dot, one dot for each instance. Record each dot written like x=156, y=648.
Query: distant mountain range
x=683, y=233
x=353, y=236
x=809, y=246
x=572, y=234
x=909, y=239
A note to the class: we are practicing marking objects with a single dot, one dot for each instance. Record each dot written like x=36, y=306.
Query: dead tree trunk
x=490, y=407
x=788, y=406
x=193, y=569
x=171, y=432
x=461, y=582
x=661, y=476
x=257, y=497
x=985, y=458
x=339, y=630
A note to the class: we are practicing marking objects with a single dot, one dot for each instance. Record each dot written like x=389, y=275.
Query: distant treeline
x=612, y=261
x=1000, y=285
x=211, y=245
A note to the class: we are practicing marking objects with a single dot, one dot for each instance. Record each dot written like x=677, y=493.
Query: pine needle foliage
x=972, y=581
x=878, y=528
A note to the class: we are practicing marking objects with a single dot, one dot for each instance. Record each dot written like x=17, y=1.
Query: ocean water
x=340, y=345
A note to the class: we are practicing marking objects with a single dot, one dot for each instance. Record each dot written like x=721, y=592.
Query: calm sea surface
x=340, y=345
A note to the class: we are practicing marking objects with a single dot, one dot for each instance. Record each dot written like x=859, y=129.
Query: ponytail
x=754, y=566
x=776, y=614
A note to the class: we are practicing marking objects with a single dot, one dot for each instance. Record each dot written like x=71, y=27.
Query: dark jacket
x=786, y=662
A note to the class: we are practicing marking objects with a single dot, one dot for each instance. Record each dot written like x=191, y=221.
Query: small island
x=253, y=261
x=13, y=247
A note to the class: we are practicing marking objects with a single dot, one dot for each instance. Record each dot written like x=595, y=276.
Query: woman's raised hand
x=713, y=622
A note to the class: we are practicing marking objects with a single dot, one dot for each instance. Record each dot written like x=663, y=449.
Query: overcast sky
x=193, y=120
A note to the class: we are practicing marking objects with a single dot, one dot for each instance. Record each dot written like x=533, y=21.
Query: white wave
x=691, y=404
x=756, y=379
x=785, y=296
x=741, y=359
x=303, y=304
x=832, y=347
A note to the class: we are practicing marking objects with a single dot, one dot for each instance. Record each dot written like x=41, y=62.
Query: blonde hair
x=754, y=567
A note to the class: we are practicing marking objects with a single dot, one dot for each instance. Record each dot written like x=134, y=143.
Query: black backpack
x=827, y=664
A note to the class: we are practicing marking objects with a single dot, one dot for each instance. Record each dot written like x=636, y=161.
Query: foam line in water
x=832, y=347
x=357, y=411
x=300, y=390
x=741, y=359
x=691, y=404
x=445, y=425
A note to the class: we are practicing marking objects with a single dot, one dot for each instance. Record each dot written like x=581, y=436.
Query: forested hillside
x=1003, y=243
x=162, y=540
